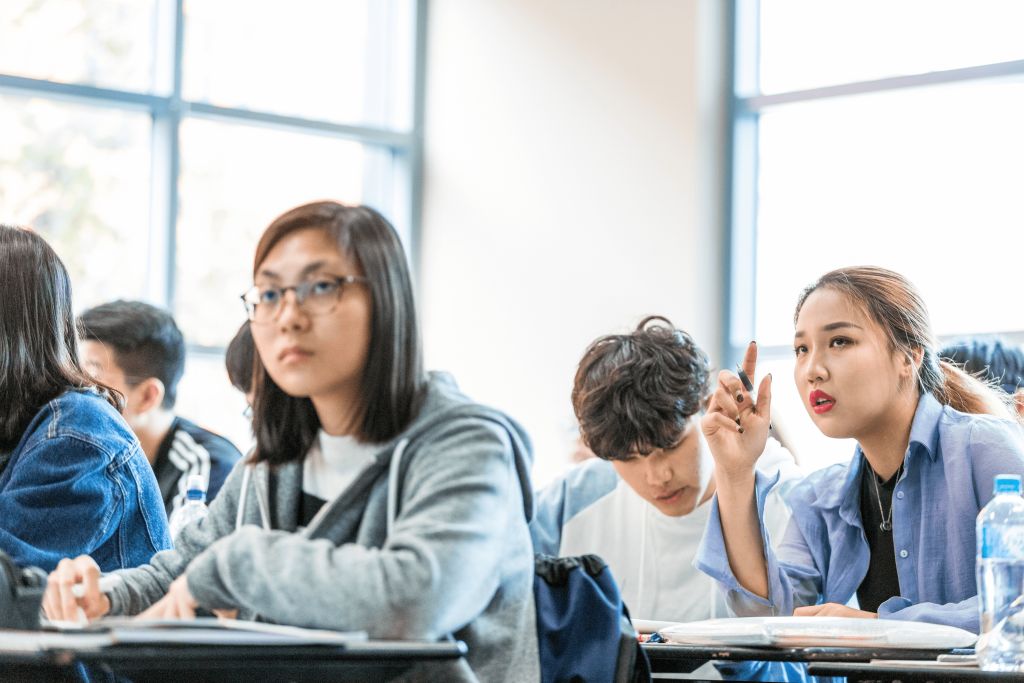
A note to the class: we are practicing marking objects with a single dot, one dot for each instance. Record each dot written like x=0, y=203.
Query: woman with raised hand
x=894, y=527
x=73, y=478
x=378, y=498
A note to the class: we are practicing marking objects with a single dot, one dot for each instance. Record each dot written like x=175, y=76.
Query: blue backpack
x=583, y=629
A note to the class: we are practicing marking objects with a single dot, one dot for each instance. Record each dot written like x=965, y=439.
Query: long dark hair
x=38, y=348
x=392, y=384
x=896, y=305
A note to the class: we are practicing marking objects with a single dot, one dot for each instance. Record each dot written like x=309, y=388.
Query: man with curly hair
x=642, y=504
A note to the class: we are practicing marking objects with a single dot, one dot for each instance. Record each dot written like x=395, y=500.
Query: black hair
x=393, y=379
x=634, y=392
x=145, y=341
x=989, y=358
x=38, y=348
x=240, y=358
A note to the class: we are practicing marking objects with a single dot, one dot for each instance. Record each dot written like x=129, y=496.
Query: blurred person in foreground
x=990, y=359
x=73, y=479
x=138, y=350
x=642, y=504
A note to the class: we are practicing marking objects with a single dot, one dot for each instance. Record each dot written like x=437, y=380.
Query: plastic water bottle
x=194, y=507
x=1001, y=577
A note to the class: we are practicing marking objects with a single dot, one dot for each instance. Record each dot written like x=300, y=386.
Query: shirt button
x=903, y=553
x=899, y=494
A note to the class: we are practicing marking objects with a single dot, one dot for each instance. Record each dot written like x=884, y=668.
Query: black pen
x=749, y=386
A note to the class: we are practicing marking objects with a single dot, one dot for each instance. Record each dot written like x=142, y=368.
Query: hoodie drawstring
x=393, y=474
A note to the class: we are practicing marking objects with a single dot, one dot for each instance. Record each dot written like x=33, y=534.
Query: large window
x=874, y=132
x=151, y=141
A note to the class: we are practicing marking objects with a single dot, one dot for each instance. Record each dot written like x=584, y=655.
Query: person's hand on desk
x=832, y=609
x=179, y=604
x=60, y=604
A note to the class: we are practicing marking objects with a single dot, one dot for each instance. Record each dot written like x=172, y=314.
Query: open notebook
x=818, y=632
x=200, y=631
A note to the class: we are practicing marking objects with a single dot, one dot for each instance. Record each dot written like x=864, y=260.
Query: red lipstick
x=821, y=402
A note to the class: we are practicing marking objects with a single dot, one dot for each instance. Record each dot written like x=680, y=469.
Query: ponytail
x=969, y=394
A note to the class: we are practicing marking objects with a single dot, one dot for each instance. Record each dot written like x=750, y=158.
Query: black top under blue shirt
x=882, y=581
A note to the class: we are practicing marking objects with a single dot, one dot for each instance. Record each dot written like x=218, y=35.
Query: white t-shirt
x=651, y=554
x=333, y=463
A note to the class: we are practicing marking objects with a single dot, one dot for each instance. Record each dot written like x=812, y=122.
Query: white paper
x=646, y=626
x=34, y=641
x=819, y=632
x=206, y=630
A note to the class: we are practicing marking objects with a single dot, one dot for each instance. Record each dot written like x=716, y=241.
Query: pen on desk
x=107, y=583
x=749, y=386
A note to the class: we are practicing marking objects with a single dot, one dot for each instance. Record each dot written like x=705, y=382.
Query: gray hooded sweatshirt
x=432, y=538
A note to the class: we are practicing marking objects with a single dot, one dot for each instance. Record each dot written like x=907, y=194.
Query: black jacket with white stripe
x=190, y=449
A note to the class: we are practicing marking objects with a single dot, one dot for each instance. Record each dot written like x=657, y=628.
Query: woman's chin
x=830, y=426
x=833, y=429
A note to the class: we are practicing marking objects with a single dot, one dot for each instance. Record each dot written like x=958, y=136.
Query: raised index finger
x=750, y=360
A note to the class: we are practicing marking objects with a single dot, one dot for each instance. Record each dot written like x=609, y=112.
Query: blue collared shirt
x=950, y=465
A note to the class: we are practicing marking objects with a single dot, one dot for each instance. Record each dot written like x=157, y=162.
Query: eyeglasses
x=316, y=297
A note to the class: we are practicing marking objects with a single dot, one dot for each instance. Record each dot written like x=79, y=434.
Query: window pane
x=348, y=61
x=80, y=177
x=206, y=397
x=107, y=43
x=810, y=43
x=235, y=180
x=925, y=181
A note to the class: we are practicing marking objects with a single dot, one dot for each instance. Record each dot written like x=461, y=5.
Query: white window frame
x=396, y=191
x=741, y=154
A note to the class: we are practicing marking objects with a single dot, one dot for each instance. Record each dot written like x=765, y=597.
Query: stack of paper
x=819, y=632
x=199, y=631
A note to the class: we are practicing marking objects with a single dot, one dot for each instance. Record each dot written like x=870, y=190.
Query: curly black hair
x=634, y=392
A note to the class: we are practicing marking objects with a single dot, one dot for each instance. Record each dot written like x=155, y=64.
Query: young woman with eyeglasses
x=894, y=527
x=378, y=497
x=73, y=478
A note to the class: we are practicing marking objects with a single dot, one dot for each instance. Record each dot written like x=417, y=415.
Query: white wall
x=571, y=187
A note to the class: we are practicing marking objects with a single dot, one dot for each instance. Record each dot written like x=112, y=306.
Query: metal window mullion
x=414, y=157
x=740, y=229
x=80, y=94
x=755, y=103
x=173, y=142
x=365, y=134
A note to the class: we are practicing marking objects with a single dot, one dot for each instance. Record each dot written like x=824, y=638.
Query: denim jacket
x=78, y=483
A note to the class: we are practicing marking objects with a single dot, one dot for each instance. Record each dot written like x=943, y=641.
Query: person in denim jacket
x=73, y=479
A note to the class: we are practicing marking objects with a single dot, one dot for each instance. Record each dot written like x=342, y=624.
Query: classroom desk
x=366, y=661
x=864, y=673
x=683, y=659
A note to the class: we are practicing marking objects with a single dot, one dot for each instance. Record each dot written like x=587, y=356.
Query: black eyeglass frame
x=302, y=290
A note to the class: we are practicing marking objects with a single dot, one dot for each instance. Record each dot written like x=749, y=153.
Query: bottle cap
x=1006, y=483
x=196, y=487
